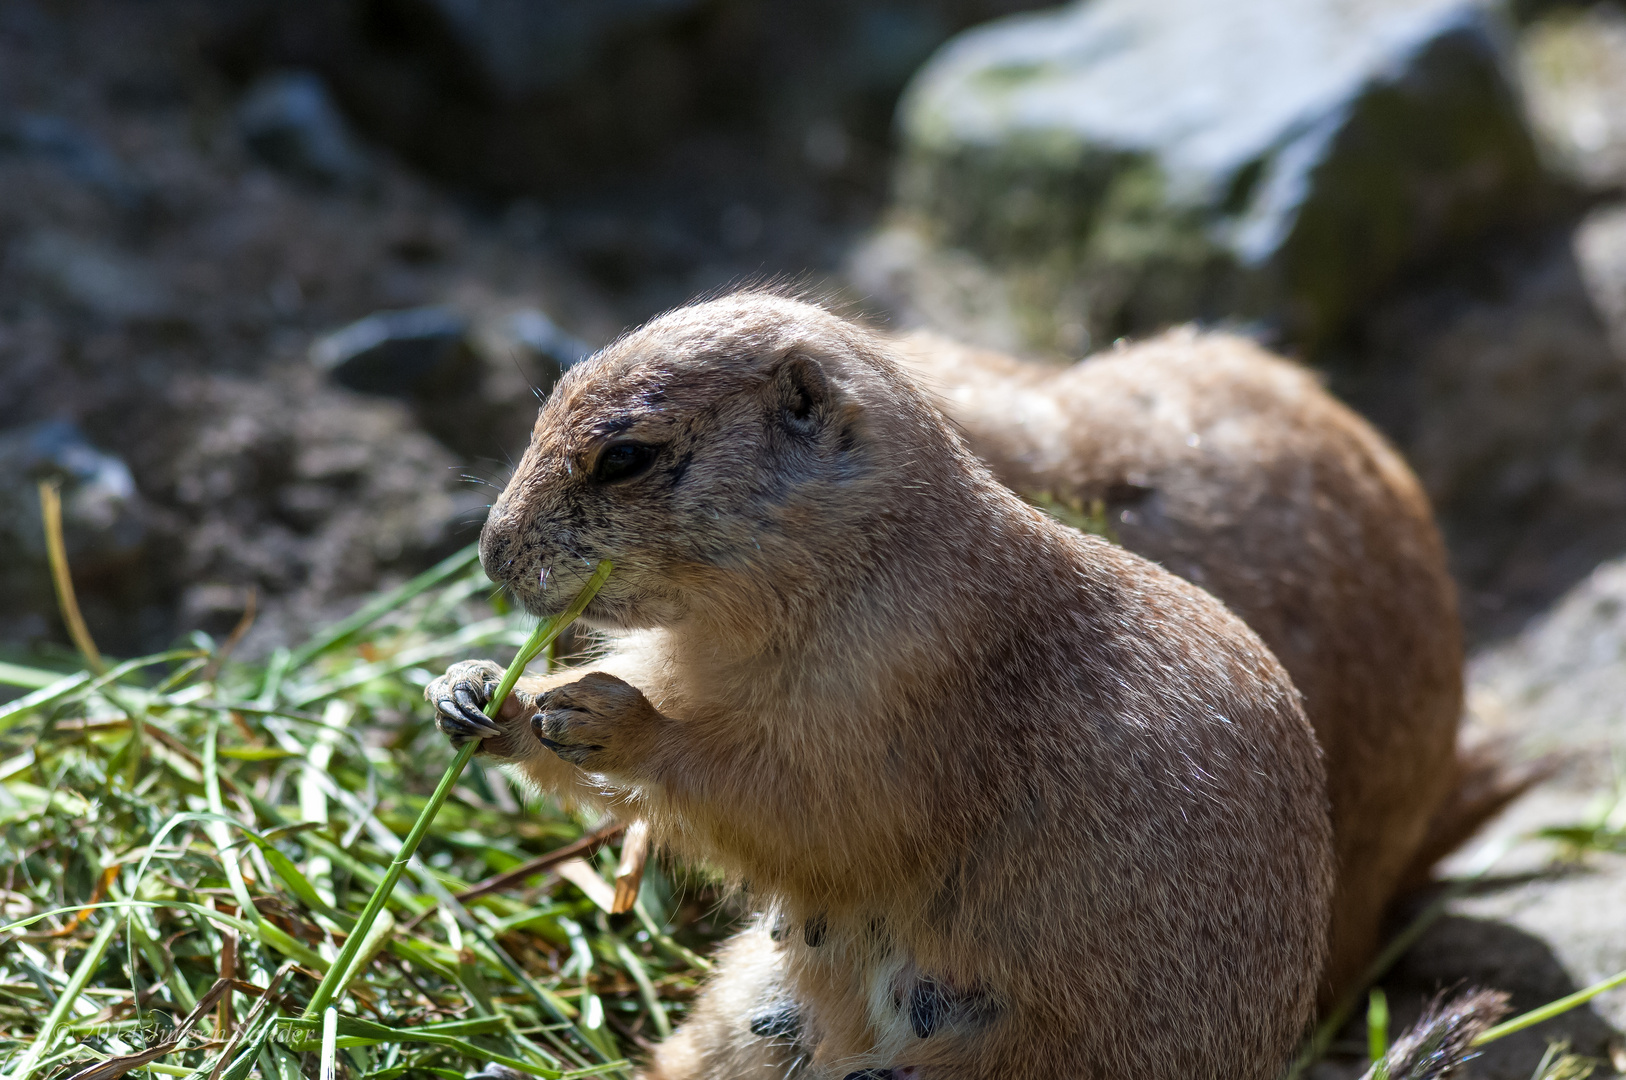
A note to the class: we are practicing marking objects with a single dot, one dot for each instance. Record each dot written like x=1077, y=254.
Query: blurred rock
x=1462, y=951
x=1600, y=251
x=551, y=350
x=76, y=152
x=523, y=47
x=102, y=280
x=953, y=291
x=1129, y=163
x=1536, y=940
x=308, y=493
x=1573, y=65
x=543, y=97
x=102, y=514
x=1502, y=386
x=1560, y=685
x=1541, y=924
x=522, y=354
x=1554, y=691
x=290, y=121
x=473, y=383
x=105, y=524
x=419, y=352
x=214, y=608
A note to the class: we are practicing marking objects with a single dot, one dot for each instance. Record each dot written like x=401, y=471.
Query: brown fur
x=1237, y=471
x=1018, y=803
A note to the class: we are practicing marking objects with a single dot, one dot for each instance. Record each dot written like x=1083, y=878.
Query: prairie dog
x=1234, y=469
x=1017, y=802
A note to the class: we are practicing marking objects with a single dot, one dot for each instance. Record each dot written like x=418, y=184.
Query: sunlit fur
x=946, y=742
x=1234, y=469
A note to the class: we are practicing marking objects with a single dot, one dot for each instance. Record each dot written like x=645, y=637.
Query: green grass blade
x=374, y=940
x=646, y=988
x=1377, y=1033
x=481, y=633
x=354, y=1031
x=1551, y=1009
x=217, y=829
x=330, y=1041
x=275, y=672
x=263, y=932
x=375, y=903
x=376, y=609
x=32, y=678
x=300, y=886
x=45, y=695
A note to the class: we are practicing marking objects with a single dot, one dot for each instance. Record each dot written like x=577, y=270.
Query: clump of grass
x=184, y=838
x=1558, y=1063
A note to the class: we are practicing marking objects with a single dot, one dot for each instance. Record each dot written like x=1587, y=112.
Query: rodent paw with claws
x=597, y=723
x=460, y=697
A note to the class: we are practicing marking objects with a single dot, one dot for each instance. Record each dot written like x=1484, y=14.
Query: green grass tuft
x=184, y=819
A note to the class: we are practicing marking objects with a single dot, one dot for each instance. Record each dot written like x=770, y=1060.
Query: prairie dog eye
x=624, y=461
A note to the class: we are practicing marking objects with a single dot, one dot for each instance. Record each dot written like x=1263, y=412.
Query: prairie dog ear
x=801, y=391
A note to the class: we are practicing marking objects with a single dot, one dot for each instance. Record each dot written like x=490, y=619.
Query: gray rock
x=473, y=382
x=1509, y=399
x=106, y=528
x=1573, y=65
x=1169, y=159
x=1572, y=910
x=305, y=492
x=418, y=352
x=1560, y=685
x=1556, y=690
x=522, y=354
x=553, y=350
x=102, y=514
x=1600, y=252
x=1540, y=926
x=100, y=279
x=952, y=291
x=290, y=121
x=77, y=153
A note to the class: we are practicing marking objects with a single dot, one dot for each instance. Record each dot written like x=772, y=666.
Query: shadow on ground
x=1458, y=953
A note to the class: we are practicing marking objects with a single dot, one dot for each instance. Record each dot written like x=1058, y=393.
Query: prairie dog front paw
x=460, y=697
x=598, y=723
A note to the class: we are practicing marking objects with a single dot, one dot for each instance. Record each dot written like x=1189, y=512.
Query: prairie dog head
x=721, y=456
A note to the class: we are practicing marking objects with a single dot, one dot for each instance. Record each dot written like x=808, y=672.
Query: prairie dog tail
x=1442, y=1039
x=1486, y=783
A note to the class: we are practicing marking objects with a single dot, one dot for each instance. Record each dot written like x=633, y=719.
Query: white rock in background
x=1573, y=65
x=1281, y=158
x=1600, y=252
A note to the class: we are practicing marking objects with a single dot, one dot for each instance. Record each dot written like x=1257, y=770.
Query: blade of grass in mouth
x=545, y=632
